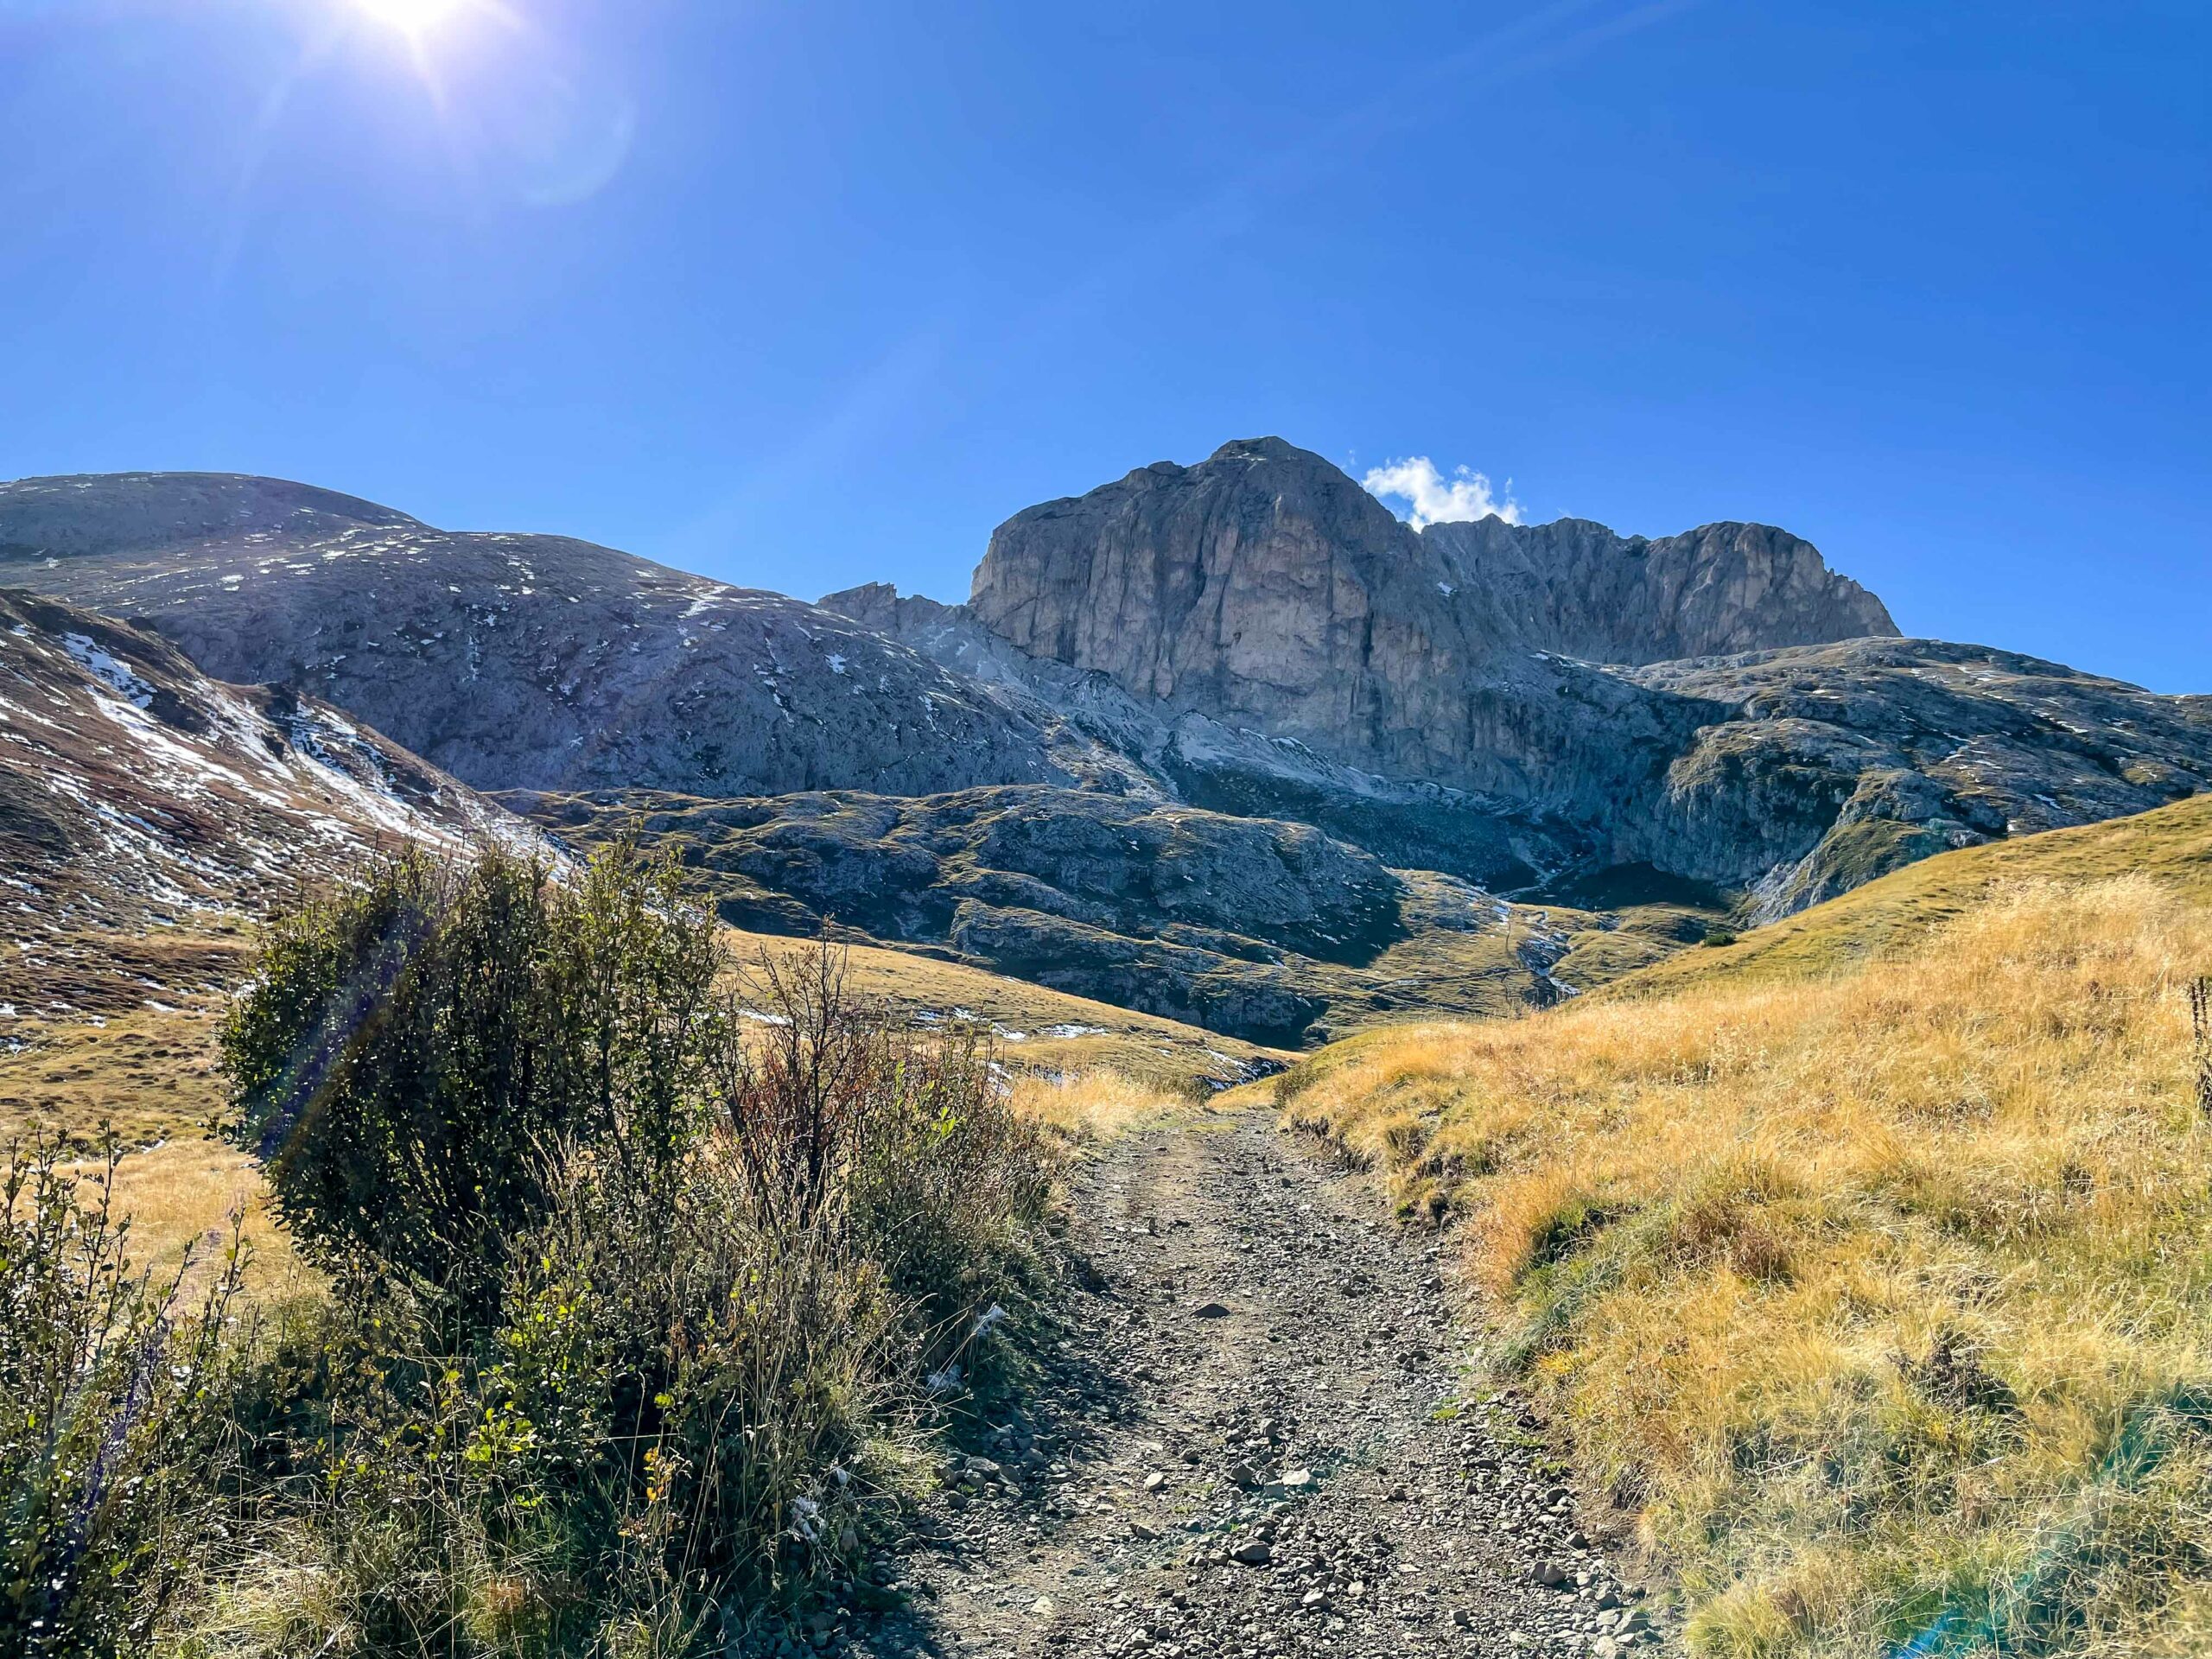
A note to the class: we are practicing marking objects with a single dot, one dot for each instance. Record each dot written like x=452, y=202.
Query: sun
x=414, y=18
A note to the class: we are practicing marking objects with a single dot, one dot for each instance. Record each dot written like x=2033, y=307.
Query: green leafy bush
x=414, y=1045
x=729, y=1245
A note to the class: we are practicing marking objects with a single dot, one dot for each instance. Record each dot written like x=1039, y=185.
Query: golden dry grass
x=180, y=1197
x=2171, y=846
x=1097, y=1106
x=1035, y=1028
x=1882, y=1295
x=150, y=1075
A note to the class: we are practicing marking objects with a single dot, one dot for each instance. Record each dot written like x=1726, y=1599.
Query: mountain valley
x=1467, y=989
x=1228, y=743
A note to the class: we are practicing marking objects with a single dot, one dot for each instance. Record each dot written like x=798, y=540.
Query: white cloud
x=1437, y=499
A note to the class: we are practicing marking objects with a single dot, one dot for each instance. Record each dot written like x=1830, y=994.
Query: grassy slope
x=2171, y=846
x=1869, y=1260
x=1037, y=1028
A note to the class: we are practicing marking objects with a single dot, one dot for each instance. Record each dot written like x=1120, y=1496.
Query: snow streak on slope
x=138, y=794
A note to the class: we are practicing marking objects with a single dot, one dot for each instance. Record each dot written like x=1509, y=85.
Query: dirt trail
x=1266, y=1440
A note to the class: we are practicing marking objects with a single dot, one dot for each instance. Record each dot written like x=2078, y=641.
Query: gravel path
x=1265, y=1439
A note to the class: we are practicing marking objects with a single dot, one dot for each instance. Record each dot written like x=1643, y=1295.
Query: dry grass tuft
x=1097, y=1105
x=1883, y=1296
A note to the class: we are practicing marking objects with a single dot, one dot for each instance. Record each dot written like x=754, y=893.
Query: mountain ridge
x=1254, y=636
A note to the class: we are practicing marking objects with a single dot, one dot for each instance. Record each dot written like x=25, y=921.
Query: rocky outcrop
x=1265, y=929
x=1839, y=763
x=1717, y=705
x=1265, y=586
x=1118, y=741
x=1575, y=587
x=513, y=661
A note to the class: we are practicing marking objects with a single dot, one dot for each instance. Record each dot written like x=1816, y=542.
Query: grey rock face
x=1575, y=587
x=1116, y=739
x=1265, y=586
x=1841, y=762
x=1569, y=674
x=513, y=661
x=1259, y=929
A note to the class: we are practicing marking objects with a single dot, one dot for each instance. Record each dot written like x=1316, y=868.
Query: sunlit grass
x=1881, y=1295
x=1097, y=1106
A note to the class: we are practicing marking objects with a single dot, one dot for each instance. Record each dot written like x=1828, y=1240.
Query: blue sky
x=804, y=295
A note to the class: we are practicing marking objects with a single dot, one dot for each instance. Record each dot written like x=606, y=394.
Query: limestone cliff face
x=1264, y=587
x=1576, y=587
x=1720, y=704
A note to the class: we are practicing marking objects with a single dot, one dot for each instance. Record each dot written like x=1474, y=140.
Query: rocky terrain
x=1267, y=929
x=1485, y=712
x=1266, y=1442
x=143, y=804
x=1264, y=588
x=1265, y=584
x=530, y=662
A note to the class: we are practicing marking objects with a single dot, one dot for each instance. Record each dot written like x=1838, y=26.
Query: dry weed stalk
x=2199, y=1022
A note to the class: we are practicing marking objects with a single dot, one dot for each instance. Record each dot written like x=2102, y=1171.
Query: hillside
x=511, y=661
x=2171, y=847
x=1534, y=756
x=1264, y=929
x=146, y=807
x=1863, y=1260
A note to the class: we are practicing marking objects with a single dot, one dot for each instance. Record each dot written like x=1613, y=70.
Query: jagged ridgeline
x=1227, y=743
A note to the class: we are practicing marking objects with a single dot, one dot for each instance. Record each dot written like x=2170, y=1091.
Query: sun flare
x=415, y=18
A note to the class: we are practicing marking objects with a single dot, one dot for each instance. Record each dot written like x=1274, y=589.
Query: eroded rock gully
x=1269, y=1439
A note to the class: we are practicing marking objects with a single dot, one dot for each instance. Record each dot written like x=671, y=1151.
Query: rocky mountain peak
x=1264, y=587
x=1575, y=587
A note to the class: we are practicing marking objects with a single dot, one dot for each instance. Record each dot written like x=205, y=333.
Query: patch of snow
x=118, y=676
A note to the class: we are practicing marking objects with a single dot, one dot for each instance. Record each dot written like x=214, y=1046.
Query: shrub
x=668, y=1427
x=747, y=1236
x=910, y=1146
x=412, y=1045
x=113, y=1430
x=636, y=1292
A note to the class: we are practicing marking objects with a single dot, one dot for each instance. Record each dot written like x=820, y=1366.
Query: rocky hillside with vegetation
x=1251, y=654
x=144, y=807
x=1265, y=930
x=1263, y=589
